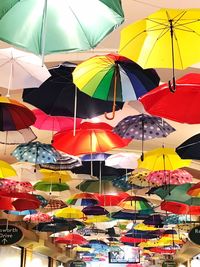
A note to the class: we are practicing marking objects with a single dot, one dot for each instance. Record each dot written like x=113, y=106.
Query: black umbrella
x=190, y=149
x=56, y=96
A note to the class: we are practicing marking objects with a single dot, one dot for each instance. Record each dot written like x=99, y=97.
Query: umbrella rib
x=176, y=39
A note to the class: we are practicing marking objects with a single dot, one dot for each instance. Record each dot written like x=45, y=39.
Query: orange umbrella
x=71, y=239
x=89, y=138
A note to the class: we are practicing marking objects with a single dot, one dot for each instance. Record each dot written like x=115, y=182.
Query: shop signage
x=194, y=235
x=77, y=263
x=169, y=264
x=10, y=234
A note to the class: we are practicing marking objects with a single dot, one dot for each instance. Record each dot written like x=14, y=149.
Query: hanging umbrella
x=55, y=204
x=53, y=123
x=139, y=178
x=9, y=185
x=50, y=187
x=82, y=199
x=123, y=183
x=97, y=219
x=113, y=77
x=155, y=219
x=162, y=159
x=6, y=170
x=37, y=218
x=125, y=239
x=15, y=116
x=169, y=30
x=95, y=157
x=189, y=149
x=94, y=210
x=26, y=171
x=122, y=160
x=111, y=200
x=144, y=227
x=64, y=162
x=36, y=153
x=180, y=208
x=106, y=187
x=163, y=251
x=69, y=213
x=160, y=101
x=17, y=137
x=175, y=177
x=131, y=215
x=143, y=127
x=55, y=176
x=20, y=69
x=98, y=245
x=194, y=190
x=42, y=200
x=61, y=102
x=54, y=19
x=176, y=219
x=89, y=138
x=71, y=239
x=142, y=234
x=20, y=213
x=135, y=203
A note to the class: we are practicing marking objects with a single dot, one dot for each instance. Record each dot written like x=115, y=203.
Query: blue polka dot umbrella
x=36, y=152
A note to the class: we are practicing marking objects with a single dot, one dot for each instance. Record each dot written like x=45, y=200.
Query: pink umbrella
x=37, y=218
x=54, y=123
x=11, y=186
x=175, y=177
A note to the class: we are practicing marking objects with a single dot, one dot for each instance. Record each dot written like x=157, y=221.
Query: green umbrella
x=105, y=187
x=49, y=187
x=49, y=26
x=176, y=193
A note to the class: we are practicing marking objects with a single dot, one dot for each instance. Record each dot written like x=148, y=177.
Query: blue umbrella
x=142, y=234
x=95, y=157
x=43, y=201
x=154, y=219
x=128, y=215
x=36, y=152
x=176, y=219
x=98, y=245
x=122, y=183
x=20, y=213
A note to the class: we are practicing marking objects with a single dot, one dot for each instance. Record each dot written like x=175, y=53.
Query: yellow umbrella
x=97, y=219
x=69, y=213
x=55, y=176
x=6, y=170
x=164, y=39
x=140, y=178
x=162, y=159
x=144, y=227
x=82, y=249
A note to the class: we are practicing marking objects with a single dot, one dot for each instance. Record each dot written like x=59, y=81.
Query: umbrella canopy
x=111, y=200
x=14, y=115
x=142, y=234
x=126, y=239
x=26, y=171
x=104, y=187
x=189, y=149
x=113, y=77
x=20, y=69
x=60, y=102
x=20, y=213
x=37, y=218
x=176, y=219
x=53, y=123
x=95, y=210
x=97, y=219
x=123, y=183
x=82, y=199
x=139, y=178
x=71, y=239
x=53, y=20
x=55, y=204
x=64, y=162
x=42, y=200
x=50, y=187
x=36, y=153
x=135, y=203
x=155, y=219
x=176, y=177
x=89, y=138
x=180, y=208
x=194, y=190
x=95, y=157
x=168, y=30
x=6, y=170
x=98, y=245
x=9, y=185
x=160, y=101
x=69, y=213
x=17, y=137
x=162, y=159
x=55, y=176
x=122, y=160
x=131, y=215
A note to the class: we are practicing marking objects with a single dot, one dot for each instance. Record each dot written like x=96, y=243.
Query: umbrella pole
x=142, y=156
x=75, y=110
x=172, y=87
x=10, y=79
x=44, y=29
x=114, y=95
x=100, y=179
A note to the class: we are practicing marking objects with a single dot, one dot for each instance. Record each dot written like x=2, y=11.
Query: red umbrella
x=11, y=186
x=126, y=239
x=180, y=208
x=71, y=239
x=38, y=218
x=89, y=138
x=163, y=250
x=54, y=123
x=111, y=200
x=181, y=106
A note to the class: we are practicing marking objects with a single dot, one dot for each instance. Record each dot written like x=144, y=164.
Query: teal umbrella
x=49, y=26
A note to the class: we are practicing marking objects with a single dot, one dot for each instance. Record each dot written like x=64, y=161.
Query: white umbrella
x=19, y=69
x=17, y=137
x=122, y=160
x=26, y=172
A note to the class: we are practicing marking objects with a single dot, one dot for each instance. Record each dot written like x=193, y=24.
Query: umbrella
x=135, y=203
x=169, y=30
x=20, y=69
x=143, y=127
x=111, y=200
x=9, y=185
x=160, y=101
x=165, y=250
x=20, y=213
x=106, y=187
x=131, y=215
x=123, y=183
x=17, y=137
x=142, y=234
x=180, y=208
x=98, y=245
x=176, y=177
x=125, y=239
x=139, y=178
x=26, y=171
x=94, y=210
x=162, y=159
x=95, y=157
x=189, y=149
x=71, y=239
x=113, y=77
x=37, y=218
x=155, y=219
x=82, y=199
x=194, y=190
x=69, y=213
x=14, y=115
x=6, y=170
x=73, y=24
x=36, y=153
x=42, y=200
x=55, y=204
x=60, y=102
x=89, y=138
x=50, y=187
x=122, y=160
x=176, y=219
x=144, y=227
x=97, y=219
x=64, y=162
x=55, y=176
x=53, y=123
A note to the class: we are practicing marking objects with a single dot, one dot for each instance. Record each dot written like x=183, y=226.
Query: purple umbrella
x=94, y=210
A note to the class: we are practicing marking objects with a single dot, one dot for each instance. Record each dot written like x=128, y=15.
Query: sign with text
x=10, y=234
x=77, y=263
x=169, y=264
x=194, y=235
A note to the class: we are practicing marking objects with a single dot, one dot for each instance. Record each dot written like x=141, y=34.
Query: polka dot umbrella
x=139, y=178
x=37, y=218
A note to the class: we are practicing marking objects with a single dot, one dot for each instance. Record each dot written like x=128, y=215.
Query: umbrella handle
x=172, y=88
x=113, y=114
